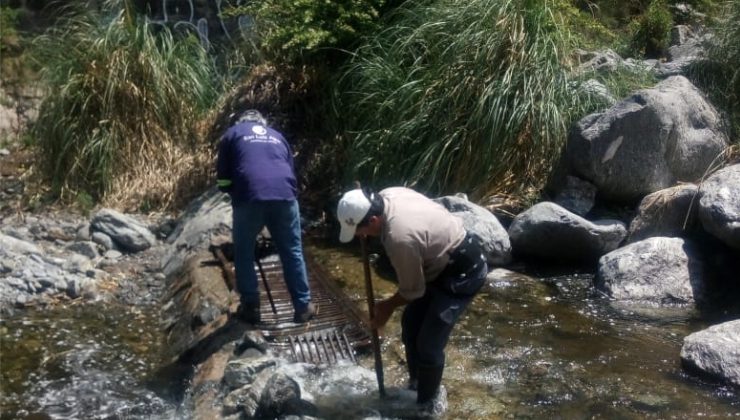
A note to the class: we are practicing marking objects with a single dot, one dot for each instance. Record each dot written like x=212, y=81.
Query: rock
x=657, y=270
x=476, y=219
x=597, y=90
x=719, y=205
x=279, y=392
x=686, y=47
x=669, y=212
x=125, y=231
x=715, y=351
x=603, y=61
x=576, y=195
x=207, y=217
x=240, y=372
x=547, y=230
x=103, y=240
x=86, y=248
x=112, y=254
x=648, y=142
x=83, y=232
x=14, y=245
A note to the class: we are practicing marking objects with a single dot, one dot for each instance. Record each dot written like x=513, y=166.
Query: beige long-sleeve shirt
x=418, y=235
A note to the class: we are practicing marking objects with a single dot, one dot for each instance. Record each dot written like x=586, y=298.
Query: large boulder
x=476, y=219
x=208, y=217
x=549, y=231
x=128, y=233
x=656, y=270
x=719, y=205
x=715, y=351
x=669, y=212
x=648, y=142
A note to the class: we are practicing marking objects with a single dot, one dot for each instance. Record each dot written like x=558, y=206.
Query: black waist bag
x=466, y=271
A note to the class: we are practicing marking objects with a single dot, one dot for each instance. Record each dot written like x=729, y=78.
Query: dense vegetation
x=445, y=95
x=121, y=114
x=468, y=97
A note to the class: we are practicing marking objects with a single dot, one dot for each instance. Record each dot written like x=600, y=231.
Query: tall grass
x=719, y=73
x=460, y=96
x=119, y=121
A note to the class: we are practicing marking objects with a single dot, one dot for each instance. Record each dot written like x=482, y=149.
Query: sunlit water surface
x=82, y=361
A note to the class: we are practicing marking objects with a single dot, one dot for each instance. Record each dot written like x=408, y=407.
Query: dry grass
x=169, y=180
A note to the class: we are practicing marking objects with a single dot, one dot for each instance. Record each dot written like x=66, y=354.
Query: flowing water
x=528, y=347
x=549, y=347
x=76, y=361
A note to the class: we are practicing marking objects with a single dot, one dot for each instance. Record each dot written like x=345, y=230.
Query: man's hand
x=383, y=312
x=384, y=309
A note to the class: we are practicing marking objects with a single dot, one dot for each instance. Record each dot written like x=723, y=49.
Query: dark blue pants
x=283, y=220
x=428, y=321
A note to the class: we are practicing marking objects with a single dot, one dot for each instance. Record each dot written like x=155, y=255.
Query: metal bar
x=326, y=351
x=349, y=348
x=229, y=276
x=333, y=348
x=291, y=340
x=267, y=286
x=371, y=311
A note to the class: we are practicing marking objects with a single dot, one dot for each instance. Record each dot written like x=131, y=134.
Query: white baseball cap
x=351, y=209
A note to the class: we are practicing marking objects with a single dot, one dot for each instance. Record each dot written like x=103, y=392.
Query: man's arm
x=384, y=309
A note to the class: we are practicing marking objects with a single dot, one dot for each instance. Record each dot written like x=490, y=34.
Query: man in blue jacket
x=255, y=166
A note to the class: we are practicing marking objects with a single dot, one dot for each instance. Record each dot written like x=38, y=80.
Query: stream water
x=547, y=346
x=529, y=347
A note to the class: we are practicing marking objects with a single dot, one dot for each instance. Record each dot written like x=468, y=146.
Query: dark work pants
x=428, y=321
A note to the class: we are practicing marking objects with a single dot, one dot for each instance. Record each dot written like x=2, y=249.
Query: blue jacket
x=255, y=163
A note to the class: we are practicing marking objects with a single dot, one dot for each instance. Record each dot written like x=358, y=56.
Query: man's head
x=358, y=210
x=252, y=115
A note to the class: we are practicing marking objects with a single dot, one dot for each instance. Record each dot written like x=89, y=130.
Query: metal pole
x=371, y=311
x=257, y=255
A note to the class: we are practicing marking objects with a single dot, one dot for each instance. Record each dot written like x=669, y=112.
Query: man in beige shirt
x=439, y=268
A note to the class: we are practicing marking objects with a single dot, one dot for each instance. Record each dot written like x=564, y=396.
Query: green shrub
x=123, y=104
x=651, y=31
x=8, y=32
x=458, y=96
x=291, y=30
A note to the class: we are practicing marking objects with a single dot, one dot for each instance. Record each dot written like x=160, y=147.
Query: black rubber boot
x=430, y=377
x=413, y=370
x=249, y=313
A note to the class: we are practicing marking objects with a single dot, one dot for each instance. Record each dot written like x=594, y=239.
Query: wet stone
x=242, y=371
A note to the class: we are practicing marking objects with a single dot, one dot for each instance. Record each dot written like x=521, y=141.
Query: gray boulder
x=719, y=205
x=715, y=351
x=576, y=195
x=18, y=246
x=670, y=212
x=602, y=61
x=127, y=232
x=656, y=270
x=648, y=142
x=549, y=231
x=209, y=216
x=476, y=219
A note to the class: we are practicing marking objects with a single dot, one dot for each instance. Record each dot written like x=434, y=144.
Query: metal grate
x=325, y=346
x=337, y=331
